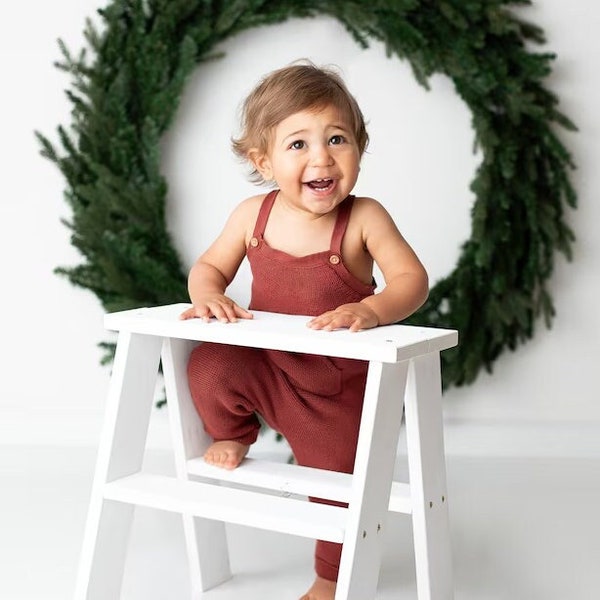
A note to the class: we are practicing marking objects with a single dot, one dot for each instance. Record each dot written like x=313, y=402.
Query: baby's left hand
x=355, y=316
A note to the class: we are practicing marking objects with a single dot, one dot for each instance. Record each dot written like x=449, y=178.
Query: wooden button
x=334, y=259
x=254, y=242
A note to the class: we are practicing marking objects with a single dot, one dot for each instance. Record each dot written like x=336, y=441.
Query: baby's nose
x=321, y=155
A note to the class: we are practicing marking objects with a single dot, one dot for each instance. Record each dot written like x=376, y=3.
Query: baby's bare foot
x=321, y=589
x=226, y=454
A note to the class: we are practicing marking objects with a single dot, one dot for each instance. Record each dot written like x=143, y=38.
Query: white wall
x=419, y=165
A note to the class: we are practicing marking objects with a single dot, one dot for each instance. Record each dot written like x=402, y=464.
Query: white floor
x=521, y=530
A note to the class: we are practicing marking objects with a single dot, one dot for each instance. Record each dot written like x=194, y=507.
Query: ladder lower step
x=255, y=509
x=285, y=479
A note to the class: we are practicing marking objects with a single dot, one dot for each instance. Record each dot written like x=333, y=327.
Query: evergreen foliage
x=125, y=90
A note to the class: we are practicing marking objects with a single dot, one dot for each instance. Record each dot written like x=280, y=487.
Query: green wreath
x=124, y=100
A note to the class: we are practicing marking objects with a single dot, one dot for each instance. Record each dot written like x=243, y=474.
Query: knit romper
x=315, y=402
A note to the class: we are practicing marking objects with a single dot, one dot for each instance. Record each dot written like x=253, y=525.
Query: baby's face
x=314, y=159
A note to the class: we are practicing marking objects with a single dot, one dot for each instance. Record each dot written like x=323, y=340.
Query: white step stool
x=403, y=364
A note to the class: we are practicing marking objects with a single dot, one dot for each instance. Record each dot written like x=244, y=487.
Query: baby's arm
x=406, y=282
x=216, y=268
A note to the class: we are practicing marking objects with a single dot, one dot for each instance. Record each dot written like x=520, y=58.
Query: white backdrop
x=419, y=165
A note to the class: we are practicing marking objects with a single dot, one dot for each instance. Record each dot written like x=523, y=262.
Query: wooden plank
x=120, y=453
x=208, y=564
x=391, y=343
x=254, y=509
x=286, y=479
x=427, y=472
x=372, y=480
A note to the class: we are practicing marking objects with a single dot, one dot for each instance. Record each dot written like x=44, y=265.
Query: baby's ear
x=261, y=163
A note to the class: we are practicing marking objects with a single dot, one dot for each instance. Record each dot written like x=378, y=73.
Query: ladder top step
x=390, y=343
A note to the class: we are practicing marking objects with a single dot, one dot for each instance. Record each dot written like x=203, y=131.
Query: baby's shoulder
x=248, y=208
x=251, y=202
x=368, y=217
x=367, y=206
x=243, y=217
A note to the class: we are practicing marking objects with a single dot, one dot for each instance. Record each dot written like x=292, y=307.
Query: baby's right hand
x=219, y=306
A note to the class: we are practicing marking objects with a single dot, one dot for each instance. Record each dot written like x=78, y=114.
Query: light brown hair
x=287, y=91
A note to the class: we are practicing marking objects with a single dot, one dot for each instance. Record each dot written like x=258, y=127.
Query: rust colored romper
x=314, y=401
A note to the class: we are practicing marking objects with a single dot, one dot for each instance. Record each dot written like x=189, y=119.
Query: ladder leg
x=427, y=472
x=206, y=540
x=120, y=453
x=372, y=480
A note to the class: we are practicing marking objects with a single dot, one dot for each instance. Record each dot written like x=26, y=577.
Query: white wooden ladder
x=404, y=370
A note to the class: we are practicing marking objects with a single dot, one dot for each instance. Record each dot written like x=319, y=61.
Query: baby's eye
x=337, y=139
x=297, y=145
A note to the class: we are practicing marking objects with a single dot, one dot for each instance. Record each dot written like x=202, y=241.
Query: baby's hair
x=289, y=90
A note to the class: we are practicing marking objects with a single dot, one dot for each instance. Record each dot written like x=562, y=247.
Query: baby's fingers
x=223, y=312
x=319, y=322
x=332, y=320
x=195, y=312
x=242, y=313
x=188, y=313
x=229, y=312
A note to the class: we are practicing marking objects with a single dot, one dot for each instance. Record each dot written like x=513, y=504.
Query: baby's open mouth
x=320, y=184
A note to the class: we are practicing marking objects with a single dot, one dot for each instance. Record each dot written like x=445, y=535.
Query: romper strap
x=341, y=223
x=263, y=214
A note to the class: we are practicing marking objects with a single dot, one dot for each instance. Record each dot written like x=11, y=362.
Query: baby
x=311, y=246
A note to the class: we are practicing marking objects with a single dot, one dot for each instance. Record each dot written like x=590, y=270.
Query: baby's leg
x=324, y=435
x=228, y=385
